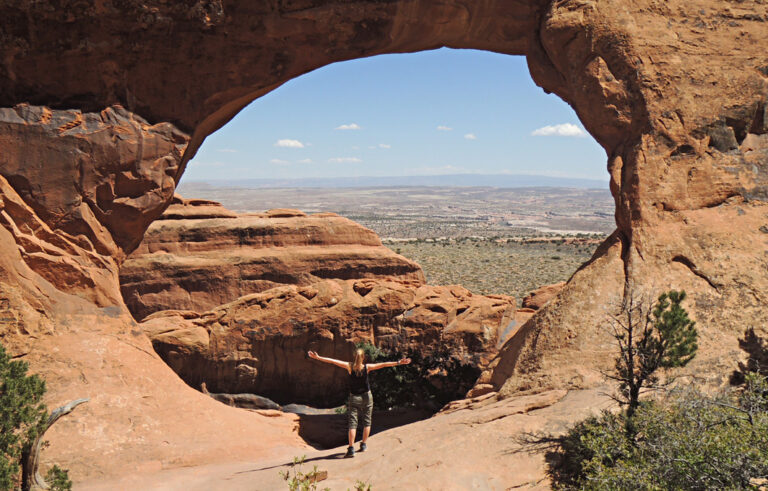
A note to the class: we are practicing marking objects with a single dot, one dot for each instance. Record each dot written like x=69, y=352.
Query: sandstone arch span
x=105, y=101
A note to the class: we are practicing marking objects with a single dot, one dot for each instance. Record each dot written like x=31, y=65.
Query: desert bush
x=297, y=480
x=430, y=381
x=688, y=441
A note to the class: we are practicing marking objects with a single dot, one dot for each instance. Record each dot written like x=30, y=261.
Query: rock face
x=675, y=92
x=192, y=261
x=258, y=343
x=77, y=191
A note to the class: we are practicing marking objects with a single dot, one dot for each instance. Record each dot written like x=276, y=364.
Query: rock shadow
x=324, y=431
x=757, y=349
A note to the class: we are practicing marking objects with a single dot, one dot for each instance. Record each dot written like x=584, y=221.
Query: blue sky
x=434, y=112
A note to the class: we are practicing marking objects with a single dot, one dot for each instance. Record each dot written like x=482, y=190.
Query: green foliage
x=22, y=416
x=297, y=480
x=691, y=441
x=430, y=381
x=663, y=337
x=362, y=486
x=58, y=479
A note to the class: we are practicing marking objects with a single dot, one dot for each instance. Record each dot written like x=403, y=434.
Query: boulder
x=537, y=298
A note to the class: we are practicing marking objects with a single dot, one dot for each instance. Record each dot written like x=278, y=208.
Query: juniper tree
x=24, y=420
x=650, y=338
x=22, y=416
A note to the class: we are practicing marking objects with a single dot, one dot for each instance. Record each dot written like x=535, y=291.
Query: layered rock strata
x=193, y=260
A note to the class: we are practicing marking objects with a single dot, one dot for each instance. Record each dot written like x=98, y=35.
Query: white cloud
x=304, y=161
x=289, y=143
x=385, y=145
x=344, y=160
x=470, y=136
x=279, y=162
x=444, y=128
x=566, y=129
x=227, y=150
x=351, y=126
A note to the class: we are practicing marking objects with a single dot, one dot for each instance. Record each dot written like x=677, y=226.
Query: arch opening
x=348, y=139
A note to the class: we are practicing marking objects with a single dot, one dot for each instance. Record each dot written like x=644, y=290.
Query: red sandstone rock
x=537, y=298
x=674, y=91
x=198, y=264
x=258, y=343
x=99, y=177
x=185, y=209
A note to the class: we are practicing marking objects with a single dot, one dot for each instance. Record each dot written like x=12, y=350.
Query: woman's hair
x=357, y=364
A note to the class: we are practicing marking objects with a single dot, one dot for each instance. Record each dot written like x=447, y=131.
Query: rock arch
x=105, y=102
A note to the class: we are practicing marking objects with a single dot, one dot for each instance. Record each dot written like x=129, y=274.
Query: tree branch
x=32, y=480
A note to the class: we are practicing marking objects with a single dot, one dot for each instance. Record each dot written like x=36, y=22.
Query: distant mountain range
x=444, y=180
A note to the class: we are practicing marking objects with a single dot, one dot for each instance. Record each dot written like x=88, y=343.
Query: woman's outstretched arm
x=332, y=361
x=387, y=364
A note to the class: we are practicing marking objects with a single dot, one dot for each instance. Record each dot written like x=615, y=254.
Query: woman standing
x=360, y=398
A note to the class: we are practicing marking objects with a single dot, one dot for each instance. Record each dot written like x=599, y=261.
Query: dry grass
x=486, y=266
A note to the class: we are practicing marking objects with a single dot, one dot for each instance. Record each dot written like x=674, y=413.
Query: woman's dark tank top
x=358, y=384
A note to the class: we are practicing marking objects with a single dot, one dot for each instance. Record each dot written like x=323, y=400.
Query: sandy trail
x=472, y=447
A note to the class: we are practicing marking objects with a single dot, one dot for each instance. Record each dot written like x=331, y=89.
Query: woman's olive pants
x=359, y=404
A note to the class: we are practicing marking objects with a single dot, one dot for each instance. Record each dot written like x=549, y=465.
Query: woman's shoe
x=363, y=446
x=350, y=452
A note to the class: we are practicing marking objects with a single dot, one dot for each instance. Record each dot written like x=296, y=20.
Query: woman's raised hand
x=312, y=355
x=404, y=361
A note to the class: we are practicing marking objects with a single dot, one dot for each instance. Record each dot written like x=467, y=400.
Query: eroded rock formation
x=279, y=283
x=674, y=91
x=191, y=260
x=258, y=343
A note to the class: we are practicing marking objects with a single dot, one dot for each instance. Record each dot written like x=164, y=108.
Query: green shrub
x=22, y=416
x=297, y=480
x=690, y=441
x=58, y=479
x=430, y=381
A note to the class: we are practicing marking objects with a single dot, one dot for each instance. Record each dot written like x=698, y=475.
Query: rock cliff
x=105, y=102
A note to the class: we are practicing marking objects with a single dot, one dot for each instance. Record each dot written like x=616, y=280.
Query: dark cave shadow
x=757, y=349
x=326, y=431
